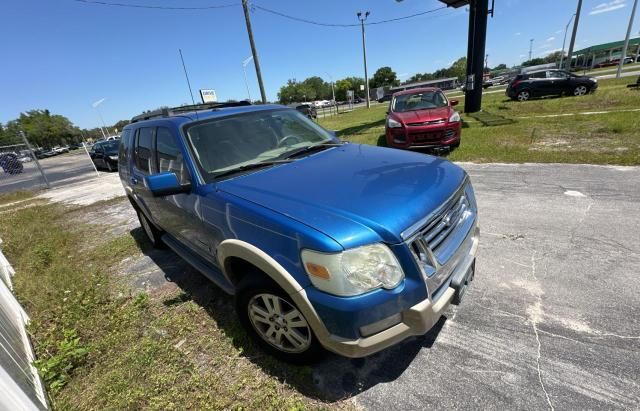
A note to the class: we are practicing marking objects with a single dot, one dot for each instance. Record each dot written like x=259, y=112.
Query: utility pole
x=364, y=54
x=254, y=52
x=626, y=39
x=530, y=48
x=486, y=63
x=478, y=14
x=573, y=35
x=566, y=29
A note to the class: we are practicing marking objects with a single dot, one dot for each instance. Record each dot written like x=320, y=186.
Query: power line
x=317, y=23
x=151, y=6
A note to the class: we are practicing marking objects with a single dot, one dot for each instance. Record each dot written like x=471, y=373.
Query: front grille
x=445, y=231
x=426, y=137
x=427, y=123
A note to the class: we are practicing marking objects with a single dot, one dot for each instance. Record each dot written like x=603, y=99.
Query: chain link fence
x=24, y=167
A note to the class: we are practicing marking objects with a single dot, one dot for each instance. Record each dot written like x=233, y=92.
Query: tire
x=109, y=168
x=580, y=90
x=154, y=235
x=267, y=313
x=523, y=95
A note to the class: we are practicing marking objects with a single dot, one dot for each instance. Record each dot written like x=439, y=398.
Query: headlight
x=353, y=271
x=455, y=117
x=391, y=123
x=114, y=158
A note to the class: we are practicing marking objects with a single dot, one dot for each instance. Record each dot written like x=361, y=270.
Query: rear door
x=558, y=82
x=539, y=83
x=142, y=167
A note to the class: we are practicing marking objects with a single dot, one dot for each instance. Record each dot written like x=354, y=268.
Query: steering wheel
x=284, y=140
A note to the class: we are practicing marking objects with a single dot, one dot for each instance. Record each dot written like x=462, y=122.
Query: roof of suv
x=189, y=116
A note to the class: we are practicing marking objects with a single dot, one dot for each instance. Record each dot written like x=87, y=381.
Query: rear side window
x=125, y=146
x=540, y=74
x=144, y=139
x=169, y=156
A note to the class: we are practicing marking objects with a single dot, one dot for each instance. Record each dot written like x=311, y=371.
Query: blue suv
x=324, y=244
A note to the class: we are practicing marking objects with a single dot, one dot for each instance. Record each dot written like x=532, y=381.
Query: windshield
x=110, y=147
x=419, y=101
x=223, y=144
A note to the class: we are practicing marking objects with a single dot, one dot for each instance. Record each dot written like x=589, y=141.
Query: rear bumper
x=416, y=320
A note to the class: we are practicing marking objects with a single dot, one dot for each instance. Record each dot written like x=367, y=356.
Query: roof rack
x=167, y=112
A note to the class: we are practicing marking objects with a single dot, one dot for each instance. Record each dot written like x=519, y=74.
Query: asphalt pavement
x=59, y=170
x=551, y=321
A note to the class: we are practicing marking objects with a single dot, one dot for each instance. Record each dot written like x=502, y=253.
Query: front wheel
x=153, y=234
x=275, y=323
x=580, y=90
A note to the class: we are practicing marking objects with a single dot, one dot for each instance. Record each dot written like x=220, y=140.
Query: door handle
x=134, y=180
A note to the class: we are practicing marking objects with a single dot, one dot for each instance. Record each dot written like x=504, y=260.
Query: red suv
x=422, y=118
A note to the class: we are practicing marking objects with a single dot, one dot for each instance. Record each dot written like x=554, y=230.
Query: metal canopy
x=455, y=3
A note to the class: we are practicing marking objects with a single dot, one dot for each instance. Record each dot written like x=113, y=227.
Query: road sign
x=361, y=87
x=208, y=96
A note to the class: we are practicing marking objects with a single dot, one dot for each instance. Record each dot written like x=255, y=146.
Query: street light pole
x=566, y=29
x=254, y=52
x=364, y=54
x=573, y=35
x=244, y=69
x=626, y=40
x=530, y=48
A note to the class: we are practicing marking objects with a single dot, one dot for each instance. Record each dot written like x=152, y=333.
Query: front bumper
x=416, y=320
x=424, y=136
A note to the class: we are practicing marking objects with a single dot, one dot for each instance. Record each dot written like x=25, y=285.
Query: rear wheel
x=276, y=324
x=580, y=90
x=153, y=234
x=523, y=95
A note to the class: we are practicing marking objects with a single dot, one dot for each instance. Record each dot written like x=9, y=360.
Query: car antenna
x=188, y=82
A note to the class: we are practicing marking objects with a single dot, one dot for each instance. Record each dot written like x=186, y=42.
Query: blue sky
x=64, y=55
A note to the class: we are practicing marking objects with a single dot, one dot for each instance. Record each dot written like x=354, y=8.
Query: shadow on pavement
x=331, y=378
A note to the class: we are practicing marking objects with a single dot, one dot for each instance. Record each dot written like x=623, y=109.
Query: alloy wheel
x=524, y=95
x=279, y=323
x=580, y=91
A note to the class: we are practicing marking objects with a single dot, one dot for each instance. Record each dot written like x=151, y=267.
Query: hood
x=356, y=194
x=419, y=116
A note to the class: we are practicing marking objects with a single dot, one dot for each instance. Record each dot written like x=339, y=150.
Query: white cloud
x=559, y=31
x=551, y=39
x=607, y=7
x=517, y=34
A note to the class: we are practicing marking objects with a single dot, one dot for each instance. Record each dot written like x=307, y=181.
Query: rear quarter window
x=142, y=152
x=125, y=147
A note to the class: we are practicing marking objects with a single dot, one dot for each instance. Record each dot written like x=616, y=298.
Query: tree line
x=315, y=88
x=45, y=129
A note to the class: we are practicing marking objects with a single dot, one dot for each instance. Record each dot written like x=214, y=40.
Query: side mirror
x=453, y=102
x=165, y=184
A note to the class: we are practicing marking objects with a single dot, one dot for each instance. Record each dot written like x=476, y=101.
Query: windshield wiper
x=251, y=166
x=302, y=150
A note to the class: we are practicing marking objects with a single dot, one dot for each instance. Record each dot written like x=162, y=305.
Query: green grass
x=15, y=196
x=597, y=139
x=101, y=347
